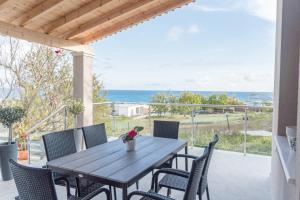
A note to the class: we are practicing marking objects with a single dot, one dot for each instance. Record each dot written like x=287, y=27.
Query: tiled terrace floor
x=232, y=176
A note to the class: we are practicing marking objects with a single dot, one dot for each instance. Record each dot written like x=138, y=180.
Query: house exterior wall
x=130, y=110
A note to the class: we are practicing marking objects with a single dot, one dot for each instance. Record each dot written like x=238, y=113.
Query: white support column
x=286, y=65
x=83, y=87
x=285, y=89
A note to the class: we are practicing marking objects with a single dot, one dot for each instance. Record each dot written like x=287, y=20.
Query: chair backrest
x=94, y=135
x=166, y=129
x=211, y=147
x=33, y=183
x=195, y=176
x=59, y=144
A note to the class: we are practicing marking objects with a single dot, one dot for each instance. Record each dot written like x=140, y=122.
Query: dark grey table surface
x=111, y=164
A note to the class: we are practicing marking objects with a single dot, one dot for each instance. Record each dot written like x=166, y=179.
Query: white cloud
x=264, y=9
x=209, y=8
x=193, y=29
x=221, y=80
x=176, y=32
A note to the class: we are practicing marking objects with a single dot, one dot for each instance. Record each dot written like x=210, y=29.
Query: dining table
x=111, y=164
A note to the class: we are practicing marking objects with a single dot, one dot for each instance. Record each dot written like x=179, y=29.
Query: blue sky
x=219, y=45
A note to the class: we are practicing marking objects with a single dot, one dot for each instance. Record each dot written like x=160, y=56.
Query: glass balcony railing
x=244, y=129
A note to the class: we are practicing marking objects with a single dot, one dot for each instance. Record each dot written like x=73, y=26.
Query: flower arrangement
x=21, y=137
x=9, y=116
x=130, y=135
x=21, y=141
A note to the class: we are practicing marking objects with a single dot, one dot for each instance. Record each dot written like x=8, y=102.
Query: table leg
x=186, y=160
x=124, y=192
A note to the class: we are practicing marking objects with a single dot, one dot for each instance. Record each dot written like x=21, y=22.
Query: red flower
x=58, y=52
x=132, y=133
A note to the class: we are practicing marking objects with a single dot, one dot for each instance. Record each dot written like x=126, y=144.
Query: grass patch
x=234, y=142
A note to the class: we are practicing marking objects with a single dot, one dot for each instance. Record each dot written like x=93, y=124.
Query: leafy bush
x=11, y=115
x=75, y=106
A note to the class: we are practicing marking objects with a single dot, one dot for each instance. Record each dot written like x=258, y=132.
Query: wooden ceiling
x=78, y=21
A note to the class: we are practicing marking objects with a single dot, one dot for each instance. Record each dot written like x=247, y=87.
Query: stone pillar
x=285, y=88
x=83, y=88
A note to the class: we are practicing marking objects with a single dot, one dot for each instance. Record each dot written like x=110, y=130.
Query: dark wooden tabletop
x=111, y=164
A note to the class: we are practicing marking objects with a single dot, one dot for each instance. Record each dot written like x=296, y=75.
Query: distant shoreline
x=250, y=98
x=216, y=91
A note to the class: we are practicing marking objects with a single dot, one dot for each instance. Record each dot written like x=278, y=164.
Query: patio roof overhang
x=71, y=24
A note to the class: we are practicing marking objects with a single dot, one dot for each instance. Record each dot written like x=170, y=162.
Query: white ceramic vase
x=130, y=145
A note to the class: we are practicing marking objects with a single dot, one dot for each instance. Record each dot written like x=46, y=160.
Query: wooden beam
x=33, y=36
x=3, y=3
x=35, y=12
x=75, y=14
x=166, y=6
x=113, y=14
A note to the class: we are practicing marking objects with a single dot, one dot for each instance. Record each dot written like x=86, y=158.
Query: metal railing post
x=28, y=147
x=150, y=124
x=114, y=120
x=193, y=127
x=245, y=131
x=65, y=118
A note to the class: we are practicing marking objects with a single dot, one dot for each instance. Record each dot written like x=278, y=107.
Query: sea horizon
x=145, y=96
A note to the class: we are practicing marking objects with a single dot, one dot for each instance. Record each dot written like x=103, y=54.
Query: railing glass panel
x=241, y=128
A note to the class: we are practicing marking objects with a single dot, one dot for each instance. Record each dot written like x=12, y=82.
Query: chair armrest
x=150, y=195
x=96, y=192
x=64, y=179
x=182, y=156
x=176, y=172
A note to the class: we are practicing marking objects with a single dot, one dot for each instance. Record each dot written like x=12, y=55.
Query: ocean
x=250, y=98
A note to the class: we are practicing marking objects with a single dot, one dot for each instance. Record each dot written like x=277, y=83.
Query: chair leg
x=207, y=193
x=176, y=163
x=169, y=192
x=137, y=185
x=110, y=190
x=115, y=193
x=77, y=191
x=199, y=196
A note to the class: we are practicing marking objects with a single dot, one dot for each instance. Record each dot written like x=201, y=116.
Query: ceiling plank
x=3, y=3
x=138, y=18
x=33, y=36
x=75, y=14
x=115, y=13
x=35, y=12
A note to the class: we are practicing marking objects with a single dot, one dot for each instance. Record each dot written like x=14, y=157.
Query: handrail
x=183, y=104
x=145, y=103
x=45, y=119
x=193, y=109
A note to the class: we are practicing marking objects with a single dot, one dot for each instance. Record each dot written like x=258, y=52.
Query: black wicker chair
x=37, y=184
x=166, y=129
x=180, y=183
x=193, y=181
x=62, y=143
x=94, y=135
